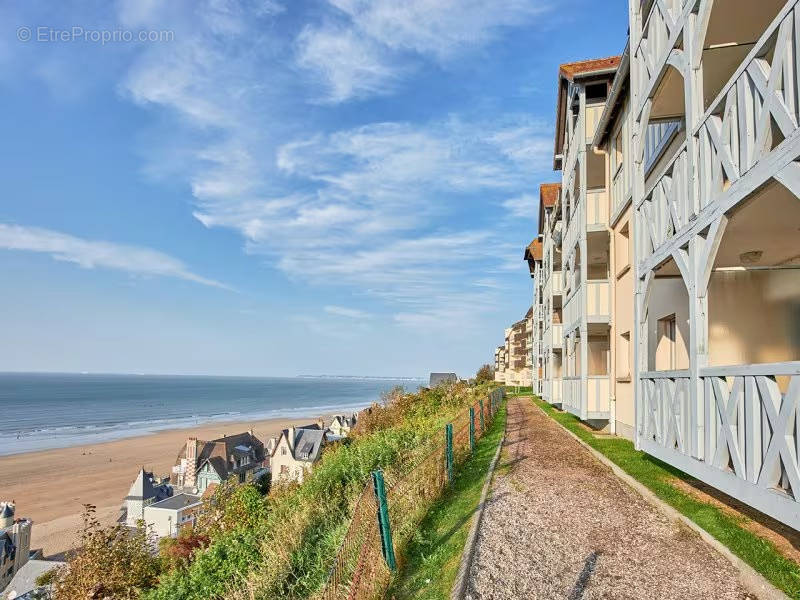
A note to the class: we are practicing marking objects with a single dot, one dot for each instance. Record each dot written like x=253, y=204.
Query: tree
x=112, y=562
x=484, y=375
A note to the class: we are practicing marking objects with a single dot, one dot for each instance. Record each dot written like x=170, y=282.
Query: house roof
x=568, y=72
x=307, y=443
x=24, y=580
x=533, y=252
x=177, y=501
x=224, y=447
x=7, y=511
x=548, y=198
x=615, y=97
x=145, y=487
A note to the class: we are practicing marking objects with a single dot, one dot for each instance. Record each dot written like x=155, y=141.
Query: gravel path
x=559, y=524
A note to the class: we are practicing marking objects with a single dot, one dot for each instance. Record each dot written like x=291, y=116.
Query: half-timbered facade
x=583, y=89
x=717, y=243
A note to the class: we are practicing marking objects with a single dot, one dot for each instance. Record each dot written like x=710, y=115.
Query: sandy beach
x=51, y=486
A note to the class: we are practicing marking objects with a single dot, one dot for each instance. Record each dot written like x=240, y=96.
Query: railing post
x=483, y=425
x=448, y=451
x=383, y=520
x=471, y=429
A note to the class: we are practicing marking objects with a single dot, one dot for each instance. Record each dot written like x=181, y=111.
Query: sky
x=276, y=187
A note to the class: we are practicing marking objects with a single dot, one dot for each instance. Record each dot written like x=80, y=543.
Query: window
x=624, y=356
x=596, y=92
x=283, y=450
x=284, y=469
x=665, y=351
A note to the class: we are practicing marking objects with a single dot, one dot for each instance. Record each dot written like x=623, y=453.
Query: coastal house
x=23, y=585
x=677, y=226
x=168, y=516
x=201, y=463
x=341, y=425
x=145, y=490
x=15, y=542
x=295, y=452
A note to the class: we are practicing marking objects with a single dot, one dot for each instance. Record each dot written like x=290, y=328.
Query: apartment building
x=583, y=89
x=533, y=254
x=513, y=360
x=680, y=213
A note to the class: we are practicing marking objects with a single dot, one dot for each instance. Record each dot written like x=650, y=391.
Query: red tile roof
x=533, y=251
x=570, y=70
x=548, y=194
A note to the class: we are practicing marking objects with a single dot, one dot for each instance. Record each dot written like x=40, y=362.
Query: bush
x=113, y=562
x=484, y=375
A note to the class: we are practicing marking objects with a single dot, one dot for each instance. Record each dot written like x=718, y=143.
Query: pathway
x=560, y=524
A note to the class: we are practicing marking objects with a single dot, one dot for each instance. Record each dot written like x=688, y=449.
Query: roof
x=224, y=447
x=176, y=502
x=145, y=487
x=533, y=252
x=7, y=511
x=548, y=198
x=568, y=72
x=584, y=68
x=615, y=97
x=24, y=580
x=307, y=443
x=437, y=378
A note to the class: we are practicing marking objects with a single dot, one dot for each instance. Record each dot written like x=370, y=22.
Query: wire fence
x=392, y=505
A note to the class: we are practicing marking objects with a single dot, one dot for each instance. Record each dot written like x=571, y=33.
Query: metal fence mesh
x=360, y=571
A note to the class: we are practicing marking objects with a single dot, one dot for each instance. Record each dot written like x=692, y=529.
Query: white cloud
x=91, y=254
x=350, y=313
x=525, y=206
x=351, y=66
x=369, y=48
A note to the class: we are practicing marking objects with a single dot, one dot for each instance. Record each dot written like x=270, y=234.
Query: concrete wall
x=622, y=387
x=668, y=296
x=753, y=317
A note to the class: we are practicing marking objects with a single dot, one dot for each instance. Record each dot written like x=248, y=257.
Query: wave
x=48, y=438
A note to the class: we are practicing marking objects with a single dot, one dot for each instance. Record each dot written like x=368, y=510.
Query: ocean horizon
x=58, y=410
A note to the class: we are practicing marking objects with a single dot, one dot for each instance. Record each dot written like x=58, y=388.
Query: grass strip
x=656, y=475
x=433, y=554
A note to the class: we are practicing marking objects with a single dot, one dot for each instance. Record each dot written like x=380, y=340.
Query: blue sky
x=276, y=187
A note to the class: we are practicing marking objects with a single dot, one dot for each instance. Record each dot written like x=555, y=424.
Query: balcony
x=740, y=435
x=597, y=209
x=557, y=283
x=598, y=405
x=620, y=187
x=571, y=395
x=593, y=114
x=557, y=333
x=598, y=307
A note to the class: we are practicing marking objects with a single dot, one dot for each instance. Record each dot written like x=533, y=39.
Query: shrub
x=484, y=375
x=113, y=562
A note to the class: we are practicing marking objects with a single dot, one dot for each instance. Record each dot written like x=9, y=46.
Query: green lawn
x=434, y=553
x=656, y=475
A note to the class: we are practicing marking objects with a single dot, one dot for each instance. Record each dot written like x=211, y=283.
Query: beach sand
x=51, y=486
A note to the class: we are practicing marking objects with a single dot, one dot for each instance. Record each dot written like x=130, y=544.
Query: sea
x=53, y=410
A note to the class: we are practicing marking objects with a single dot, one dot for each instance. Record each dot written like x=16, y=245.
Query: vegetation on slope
x=434, y=553
x=280, y=545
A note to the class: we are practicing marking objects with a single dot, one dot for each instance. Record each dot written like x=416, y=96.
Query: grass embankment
x=284, y=545
x=658, y=477
x=434, y=553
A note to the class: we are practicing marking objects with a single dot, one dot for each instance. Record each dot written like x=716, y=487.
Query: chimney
x=191, y=462
x=321, y=423
x=290, y=438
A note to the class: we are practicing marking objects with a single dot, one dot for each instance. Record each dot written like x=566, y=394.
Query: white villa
x=15, y=542
x=295, y=451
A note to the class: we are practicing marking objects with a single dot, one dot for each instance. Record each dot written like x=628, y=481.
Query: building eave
x=618, y=86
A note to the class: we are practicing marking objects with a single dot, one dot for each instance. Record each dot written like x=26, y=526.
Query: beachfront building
x=295, y=451
x=342, y=425
x=680, y=208
x=145, y=490
x=548, y=287
x=439, y=378
x=15, y=542
x=516, y=357
x=583, y=89
x=533, y=254
x=202, y=463
x=716, y=252
x=167, y=517
x=500, y=364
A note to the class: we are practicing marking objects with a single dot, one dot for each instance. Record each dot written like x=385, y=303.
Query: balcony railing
x=557, y=331
x=660, y=31
x=593, y=114
x=571, y=394
x=597, y=208
x=740, y=437
x=598, y=404
x=573, y=309
x=598, y=299
x=620, y=187
x=557, y=283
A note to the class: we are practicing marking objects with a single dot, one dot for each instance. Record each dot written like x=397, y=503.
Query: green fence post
x=448, y=450
x=471, y=428
x=383, y=520
x=483, y=425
